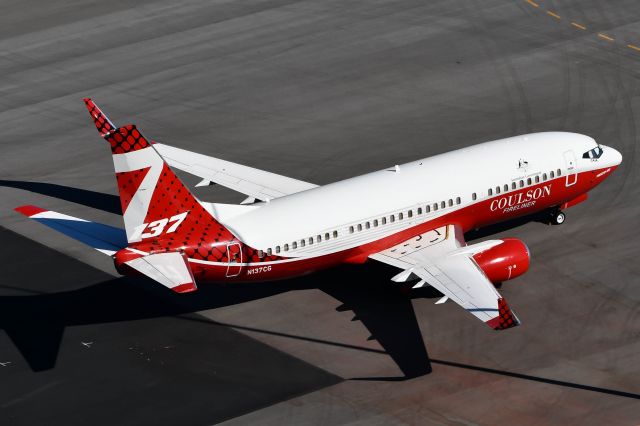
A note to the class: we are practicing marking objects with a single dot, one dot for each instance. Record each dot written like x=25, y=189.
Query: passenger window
x=260, y=254
x=392, y=218
x=474, y=196
x=302, y=243
x=559, y=172
x=367, y=225
x=521, y=184
x=513, y=185
x=375, y=222
x=319, y=238
x=435, y=206
x=269, y=252
x=458, y=200
x=506, y=187
x=310, y=240
x=490, y=192
x=497, y=189
x=551, y=174
x=528, y=181
x=427, y=208
x=410, y=213
x=400, y=216
x=326, y=236
x=335, y=234
x=443, y=205
x=294, y=245
x=384, y=220
x=419, y=210
x=450, y=202
x=359, y=227
x=544, y=177
x=286, y=247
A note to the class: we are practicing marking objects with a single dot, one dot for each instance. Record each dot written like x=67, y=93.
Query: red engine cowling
x=504, y=261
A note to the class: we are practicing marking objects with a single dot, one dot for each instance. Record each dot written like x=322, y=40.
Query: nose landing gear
x=557, y=217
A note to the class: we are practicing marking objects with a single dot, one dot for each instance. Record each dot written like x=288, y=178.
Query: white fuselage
x=298, y=225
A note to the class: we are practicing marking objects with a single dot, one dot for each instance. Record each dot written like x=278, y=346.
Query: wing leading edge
x=255, y=183
x=440, y=258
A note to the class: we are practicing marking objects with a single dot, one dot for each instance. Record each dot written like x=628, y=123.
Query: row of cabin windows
x=392, y=218
x=302, y=243
x=367, y=225
x=520, y=183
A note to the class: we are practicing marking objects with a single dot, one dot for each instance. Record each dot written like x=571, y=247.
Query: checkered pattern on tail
x=126, y=139
x=160, y=213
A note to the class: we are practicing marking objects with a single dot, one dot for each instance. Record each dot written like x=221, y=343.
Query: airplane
x=412, y=216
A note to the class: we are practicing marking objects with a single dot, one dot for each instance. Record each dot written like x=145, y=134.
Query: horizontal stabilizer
x=169, y=269
x=104, y=238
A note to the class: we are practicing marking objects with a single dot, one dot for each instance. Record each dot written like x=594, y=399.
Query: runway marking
x=555, y=15
x=605, y=37
x=582, y=27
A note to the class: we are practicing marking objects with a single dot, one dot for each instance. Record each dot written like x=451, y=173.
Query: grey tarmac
x=322, y=91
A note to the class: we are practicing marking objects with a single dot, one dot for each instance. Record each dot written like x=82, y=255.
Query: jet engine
x=504, y=261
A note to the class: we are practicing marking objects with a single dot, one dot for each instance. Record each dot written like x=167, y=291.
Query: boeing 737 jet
x=412, y=216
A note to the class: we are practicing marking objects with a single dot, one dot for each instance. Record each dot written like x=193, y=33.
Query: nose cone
x=612, y=156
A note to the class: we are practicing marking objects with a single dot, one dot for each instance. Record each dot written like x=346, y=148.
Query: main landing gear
x=557, y=217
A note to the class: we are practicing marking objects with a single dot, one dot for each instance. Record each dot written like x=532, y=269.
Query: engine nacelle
x=504, y=261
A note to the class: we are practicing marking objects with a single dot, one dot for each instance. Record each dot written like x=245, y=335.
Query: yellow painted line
x=555, y=15
x=634, y=47
x=533, y=3
x=582, y=27
x=605, y=37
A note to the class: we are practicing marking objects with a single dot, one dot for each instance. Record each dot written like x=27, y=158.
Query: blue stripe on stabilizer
x=96, y=235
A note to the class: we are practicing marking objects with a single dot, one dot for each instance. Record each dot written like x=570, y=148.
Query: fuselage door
x=570, y=162
x=234, y=254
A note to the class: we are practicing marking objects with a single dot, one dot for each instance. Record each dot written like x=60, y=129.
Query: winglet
x=101, y=121
x=505, y=319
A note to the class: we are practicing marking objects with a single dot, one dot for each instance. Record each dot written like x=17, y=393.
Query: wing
x=254, y=183
x=441, y=259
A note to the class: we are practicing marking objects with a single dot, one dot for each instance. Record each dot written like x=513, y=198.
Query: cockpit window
x=593, y=154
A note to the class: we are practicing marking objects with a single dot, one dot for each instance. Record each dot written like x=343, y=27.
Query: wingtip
x=29, y=210
x=505, y=319
x=185, y=288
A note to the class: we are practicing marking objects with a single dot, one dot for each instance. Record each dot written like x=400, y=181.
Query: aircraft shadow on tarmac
x=97, y=200
x=36, y=323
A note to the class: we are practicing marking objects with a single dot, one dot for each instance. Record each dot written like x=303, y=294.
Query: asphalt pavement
x=318, y=91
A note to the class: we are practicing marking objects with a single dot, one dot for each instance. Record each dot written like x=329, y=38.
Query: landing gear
x=557, y=217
